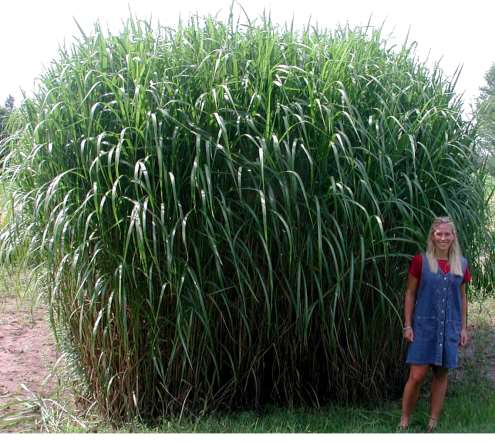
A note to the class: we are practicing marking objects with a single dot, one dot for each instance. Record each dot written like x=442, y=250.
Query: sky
x=453, y=33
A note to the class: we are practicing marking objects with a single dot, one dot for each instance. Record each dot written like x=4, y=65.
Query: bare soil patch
x=27, y=354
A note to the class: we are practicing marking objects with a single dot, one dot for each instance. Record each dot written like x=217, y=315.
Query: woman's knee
x=417, y=374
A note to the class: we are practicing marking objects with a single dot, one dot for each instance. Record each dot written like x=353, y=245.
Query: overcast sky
x=454, y=32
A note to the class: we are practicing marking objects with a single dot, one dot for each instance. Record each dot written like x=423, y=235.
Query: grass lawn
x=462, y=414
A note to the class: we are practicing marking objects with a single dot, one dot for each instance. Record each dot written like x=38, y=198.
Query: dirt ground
x=27, y=353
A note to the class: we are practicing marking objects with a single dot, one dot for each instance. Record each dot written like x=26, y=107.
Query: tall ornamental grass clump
x=225, y=213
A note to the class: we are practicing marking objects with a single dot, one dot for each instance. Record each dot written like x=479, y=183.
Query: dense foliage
x=485, y=115
x=5, y=112
x=227, y=212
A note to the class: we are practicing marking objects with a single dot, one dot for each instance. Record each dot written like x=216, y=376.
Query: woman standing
x=435, y=311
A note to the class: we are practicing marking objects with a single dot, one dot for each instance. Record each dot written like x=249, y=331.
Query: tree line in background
x=5, y=111
x=485, y=112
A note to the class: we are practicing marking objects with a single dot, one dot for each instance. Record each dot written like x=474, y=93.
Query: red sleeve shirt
x=417, y=263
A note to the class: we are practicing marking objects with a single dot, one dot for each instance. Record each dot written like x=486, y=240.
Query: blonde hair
x=454, y=250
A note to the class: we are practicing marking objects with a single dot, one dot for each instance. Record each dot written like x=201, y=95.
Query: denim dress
x=437, y=318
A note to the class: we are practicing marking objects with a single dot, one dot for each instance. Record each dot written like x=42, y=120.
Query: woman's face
x=443, y=237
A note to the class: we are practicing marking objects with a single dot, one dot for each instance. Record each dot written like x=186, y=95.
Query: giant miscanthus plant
x=225, y=213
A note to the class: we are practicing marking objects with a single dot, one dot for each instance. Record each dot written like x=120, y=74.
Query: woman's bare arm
x=409, y=301
x=464, y=335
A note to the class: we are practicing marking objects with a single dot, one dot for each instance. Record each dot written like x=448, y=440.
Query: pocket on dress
x=425, y=328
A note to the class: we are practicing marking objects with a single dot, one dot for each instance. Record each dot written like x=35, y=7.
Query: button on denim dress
x=437, y=318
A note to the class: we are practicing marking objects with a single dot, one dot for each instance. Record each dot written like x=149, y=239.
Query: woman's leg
x=417, y=374
x=438, y=391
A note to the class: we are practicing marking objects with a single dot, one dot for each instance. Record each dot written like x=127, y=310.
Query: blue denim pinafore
x=437, y=318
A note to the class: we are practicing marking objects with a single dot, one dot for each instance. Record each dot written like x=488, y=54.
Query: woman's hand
x=408, y=334
x=464, y=337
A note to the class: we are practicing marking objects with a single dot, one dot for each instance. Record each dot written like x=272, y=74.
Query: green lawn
x=462, y=414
